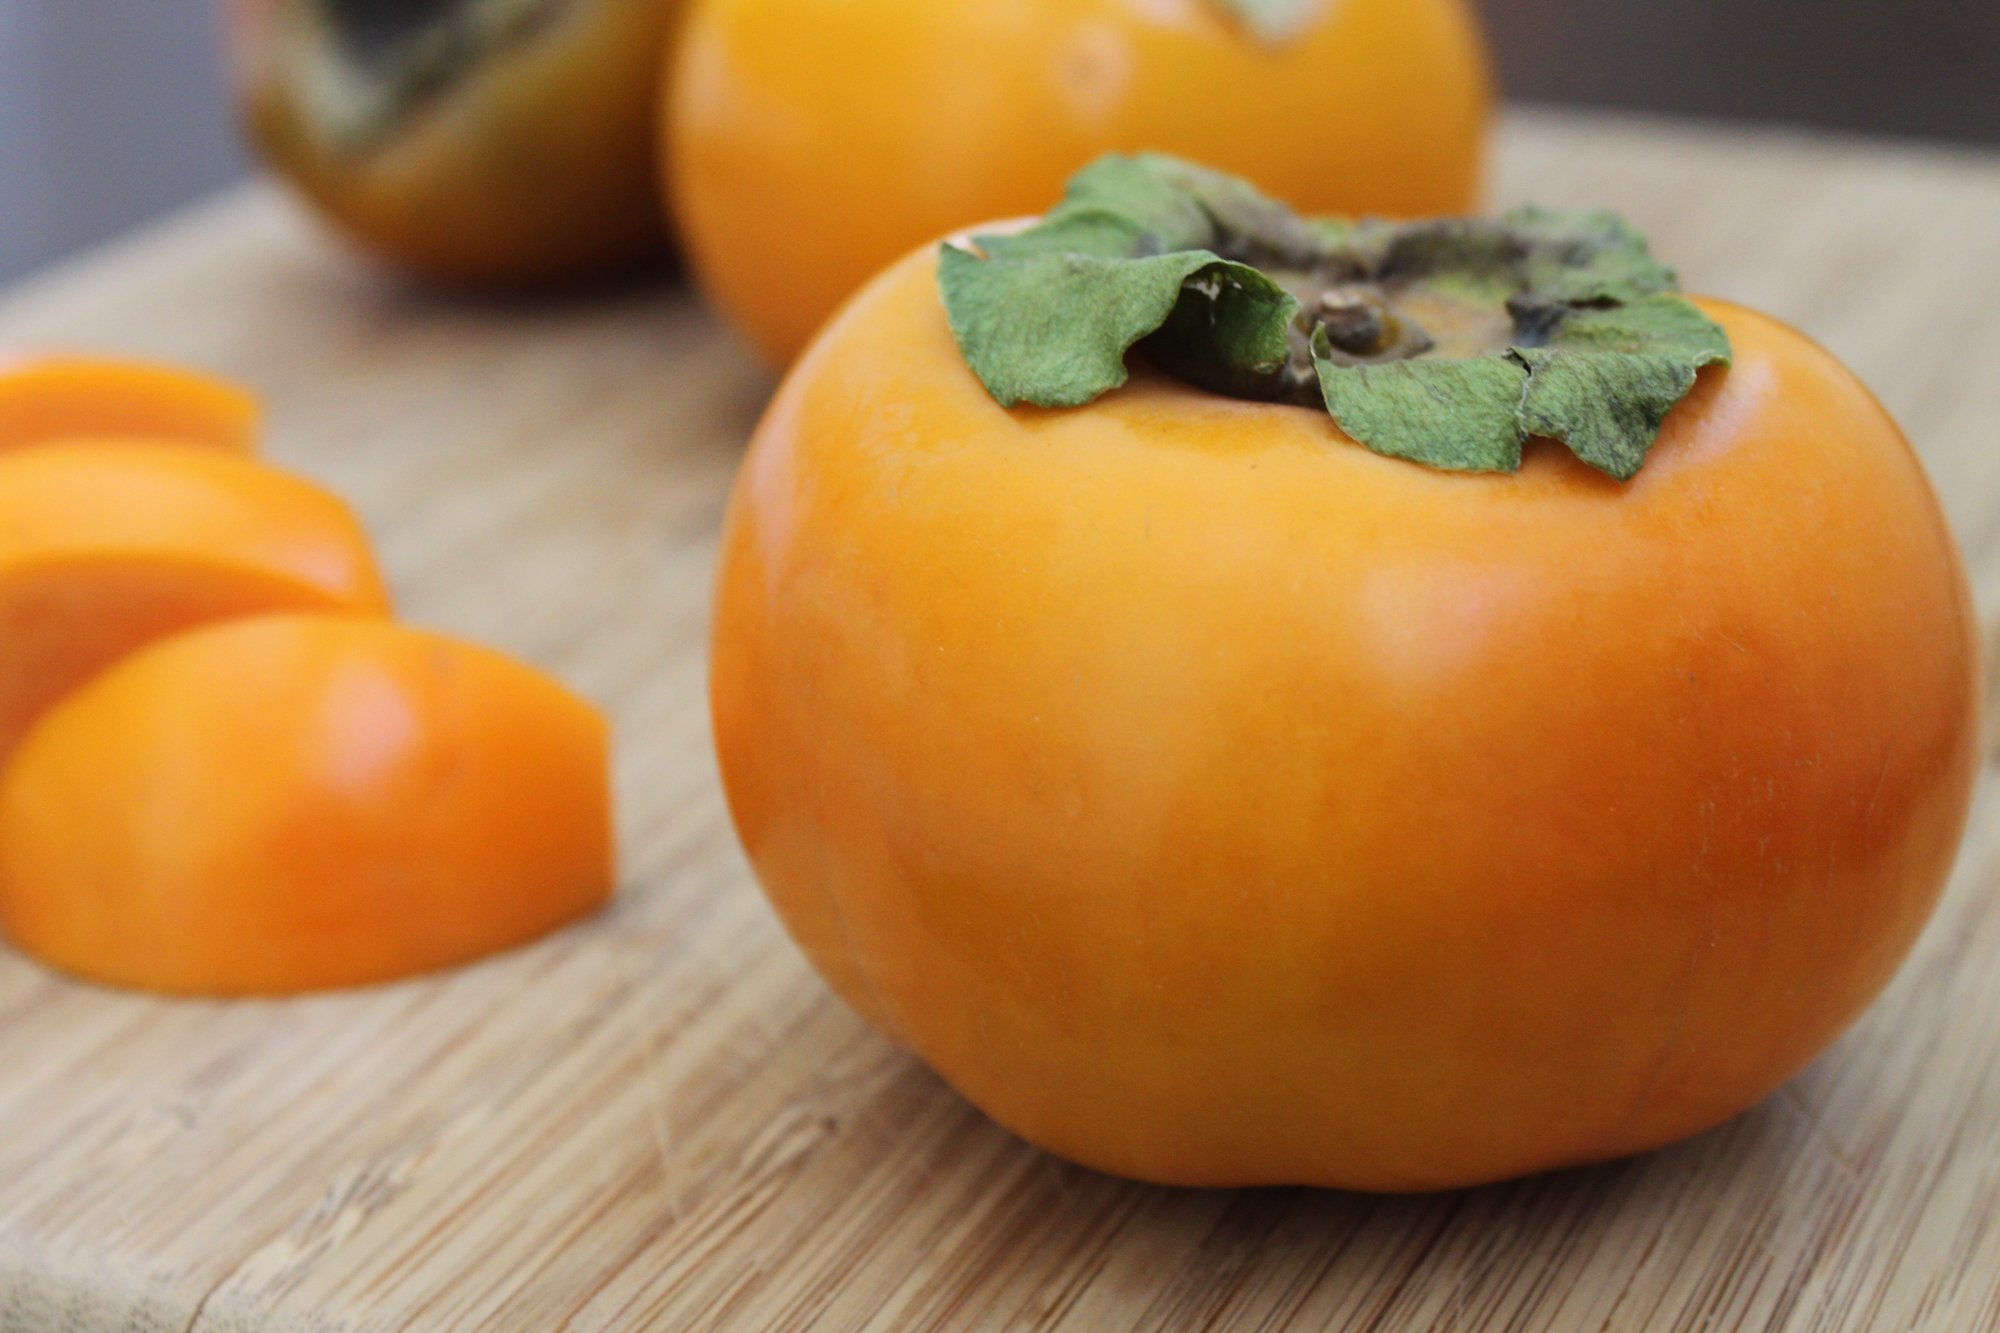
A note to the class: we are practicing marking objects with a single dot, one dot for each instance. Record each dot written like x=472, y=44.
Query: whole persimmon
x=1457, y=709
x=488, y=142
x=811, y=142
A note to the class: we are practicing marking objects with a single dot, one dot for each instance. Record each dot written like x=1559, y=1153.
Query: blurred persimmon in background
x=484, y=142
x=811, y=142
x=800, y=145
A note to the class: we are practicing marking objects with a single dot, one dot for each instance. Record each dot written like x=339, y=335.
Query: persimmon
x=490, y=142
x=48, y=397
x=810, y=144
x=108, y=545
x=1457, y=709
x=302, y=801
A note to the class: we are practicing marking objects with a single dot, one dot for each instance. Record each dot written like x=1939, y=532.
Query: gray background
x=112, y=110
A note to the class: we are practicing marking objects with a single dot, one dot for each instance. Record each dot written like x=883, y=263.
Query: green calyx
x=1271, y=20
x=365, y=68
x=1446, y=342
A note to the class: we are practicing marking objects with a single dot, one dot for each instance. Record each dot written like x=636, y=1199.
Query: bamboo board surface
x=661, y=1120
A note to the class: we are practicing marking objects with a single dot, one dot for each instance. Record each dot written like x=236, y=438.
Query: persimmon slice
x=296, y=802
x=50, y=398
x=108, y=545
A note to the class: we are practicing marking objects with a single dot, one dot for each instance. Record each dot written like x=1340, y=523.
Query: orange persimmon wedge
x=108, y=545
x=49, y=398
x=297, y=802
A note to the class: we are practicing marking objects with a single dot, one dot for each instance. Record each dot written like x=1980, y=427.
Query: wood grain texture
x=660, y=1120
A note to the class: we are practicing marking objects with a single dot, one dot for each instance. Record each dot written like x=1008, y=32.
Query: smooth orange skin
x=47, y=398
x=812, y=142
x=299, y=802
x=536, y=170
x=106, y=546
x=1215, y=802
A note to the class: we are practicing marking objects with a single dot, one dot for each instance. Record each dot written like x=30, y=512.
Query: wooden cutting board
x=660, y=1119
